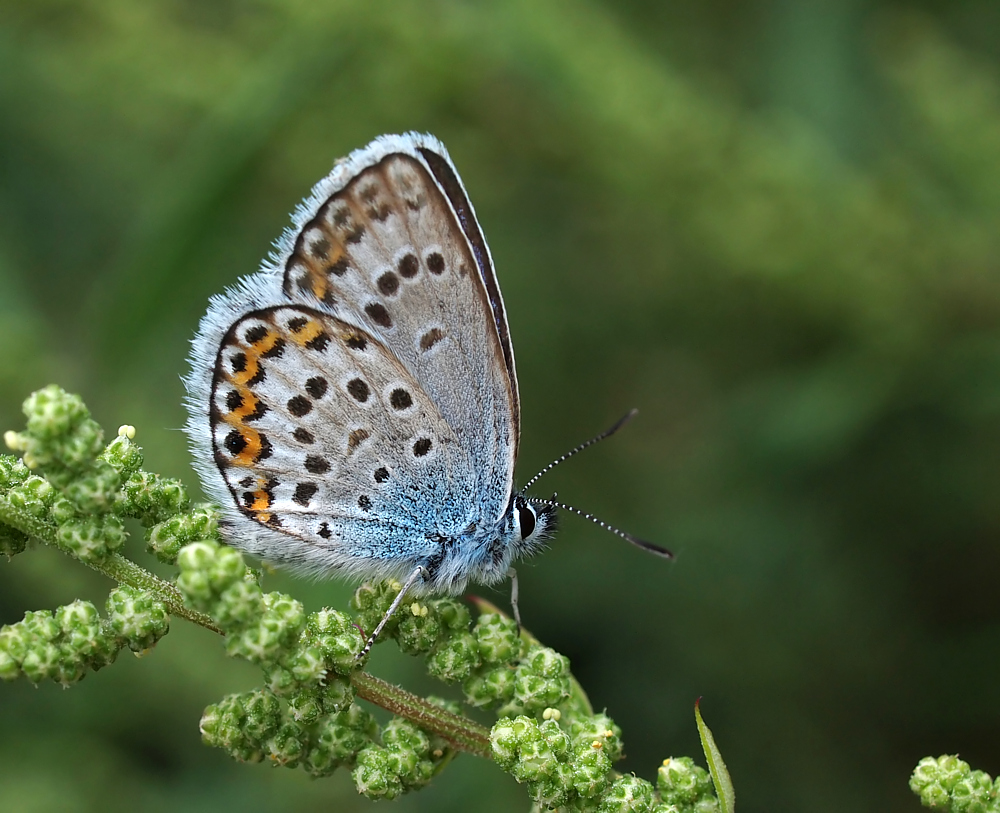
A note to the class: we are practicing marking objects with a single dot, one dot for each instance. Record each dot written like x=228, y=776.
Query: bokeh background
x=771, y=226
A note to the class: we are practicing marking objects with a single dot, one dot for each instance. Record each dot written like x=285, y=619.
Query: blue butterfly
x=353, y=406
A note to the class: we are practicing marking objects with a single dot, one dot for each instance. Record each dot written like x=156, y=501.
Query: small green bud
x=9, y=667
x=153, y=499
x=227, y=568
x=490, y=687
x=535, y=754
x=342, y=650
x=453, y=614
x=497, y=638
x=123, y=454
x=318, y=761
x=41, y=625
x=556, y=738
x=80, y=627
x=540, y=680
x=536, y=760
x=261, y=714
x=949, y=783
x=599, y=728
x=455, y=658
x=371, y=602
x=136, y=618
x=508, y=736
x=305, y=708
x=306, y=663
x=52, y=412
x=328, y=622
x=258, y=644
x=239, y=604
x=42, y=662
x=341, y=736
x=91, y=538
x=374, y=776
x=97, y=491
x=280, y=680
x=62, y=510
x=591, y=770
x=273, y=631
x=207, y=569
x=407, y=749
x=683, y=783
x=197, y=556
x=166, y=538
x=419, y=628
x=288, y=744
x=222, y=726
x=34, y=496
x=15, y=641
x=628, y=794
x=196, y=587
x=60, y=437
x=13, y=472
x=336, y=695
x=404, y=734
x=286, y=612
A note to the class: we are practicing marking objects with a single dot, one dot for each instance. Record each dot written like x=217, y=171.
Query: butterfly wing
x=363, y=402
x=390, y=242
x=320, y=434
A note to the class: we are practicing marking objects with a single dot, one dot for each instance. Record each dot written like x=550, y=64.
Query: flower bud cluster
x=557, y=767
x=165, y=538
x=948, y=783
x=65, y=644
x=80, y=484
x=406, y=759
x=304, y=715
x=497, y=668
x=151, y=498
x=163, y=507
x=257, y=725
x=569, y=766
x=136, y=619
x=30, y=494
x=68, y=479
x=686, y=785
x=435, y=627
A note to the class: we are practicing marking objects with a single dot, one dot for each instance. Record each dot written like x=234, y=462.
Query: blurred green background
x=771, y=226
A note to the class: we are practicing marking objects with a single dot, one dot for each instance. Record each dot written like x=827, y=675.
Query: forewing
x=385, y=245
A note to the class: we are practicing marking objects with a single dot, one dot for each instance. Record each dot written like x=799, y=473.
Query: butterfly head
x=530, y=525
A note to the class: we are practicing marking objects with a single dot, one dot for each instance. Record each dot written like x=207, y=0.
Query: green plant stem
x=114, y=566
x=461, y=732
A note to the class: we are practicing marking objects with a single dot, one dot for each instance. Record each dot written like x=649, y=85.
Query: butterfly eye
x=526, y=519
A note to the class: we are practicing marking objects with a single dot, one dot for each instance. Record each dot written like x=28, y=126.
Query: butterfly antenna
x=605, y=434
x=639, y=543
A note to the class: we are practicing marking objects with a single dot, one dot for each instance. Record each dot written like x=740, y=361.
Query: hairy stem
x=114, y=566
x=464, y=734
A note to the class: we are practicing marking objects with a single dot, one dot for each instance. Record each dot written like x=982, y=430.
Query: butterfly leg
x=513, y=598
x=419, y=572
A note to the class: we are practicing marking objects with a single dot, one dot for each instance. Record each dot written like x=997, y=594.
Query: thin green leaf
x=720, y=776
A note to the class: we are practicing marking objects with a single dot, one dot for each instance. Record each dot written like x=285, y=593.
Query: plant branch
x=114, y=566
x=464, y=734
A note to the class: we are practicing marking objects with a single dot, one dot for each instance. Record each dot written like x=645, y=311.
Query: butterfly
x=353, y=406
